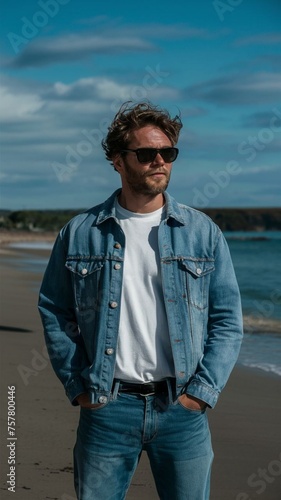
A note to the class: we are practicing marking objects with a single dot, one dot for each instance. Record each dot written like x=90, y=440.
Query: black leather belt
x=147, y=389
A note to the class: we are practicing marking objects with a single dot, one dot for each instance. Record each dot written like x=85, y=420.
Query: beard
x=144, y=182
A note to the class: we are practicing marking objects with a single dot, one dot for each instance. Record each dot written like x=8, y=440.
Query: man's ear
x=118, y=163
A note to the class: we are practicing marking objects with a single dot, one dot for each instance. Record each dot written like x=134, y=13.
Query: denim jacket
x=80, y=300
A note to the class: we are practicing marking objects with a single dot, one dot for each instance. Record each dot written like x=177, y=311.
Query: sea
x=257, y=263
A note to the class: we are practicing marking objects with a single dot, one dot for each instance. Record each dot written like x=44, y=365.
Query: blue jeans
x=110, y=440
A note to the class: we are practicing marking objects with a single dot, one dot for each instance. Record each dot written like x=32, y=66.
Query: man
x=142, y=319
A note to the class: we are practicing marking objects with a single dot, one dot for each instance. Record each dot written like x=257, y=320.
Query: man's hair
x=133, y=117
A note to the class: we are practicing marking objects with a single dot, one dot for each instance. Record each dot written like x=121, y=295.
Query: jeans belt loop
x=115, y=388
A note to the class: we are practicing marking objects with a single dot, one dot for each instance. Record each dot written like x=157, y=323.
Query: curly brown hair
x=132, y=117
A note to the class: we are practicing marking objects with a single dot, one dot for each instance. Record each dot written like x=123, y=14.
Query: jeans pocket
x=191, y=410
x=94, y=408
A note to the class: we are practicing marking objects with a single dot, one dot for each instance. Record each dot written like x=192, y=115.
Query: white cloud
x=89, y=88
x=260, y=169
x=73, y=47
x=98, y=93
x=240, y=88
x=114, y=39
x=262, y=82
x=45, y=124
x=260, y=39
x=18, y=106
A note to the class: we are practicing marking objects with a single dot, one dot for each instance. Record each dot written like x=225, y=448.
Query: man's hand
x=192, y=403
x=84, y=401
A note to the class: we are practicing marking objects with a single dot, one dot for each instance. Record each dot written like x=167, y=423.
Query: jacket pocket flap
x=198, y=267
x=84, y=267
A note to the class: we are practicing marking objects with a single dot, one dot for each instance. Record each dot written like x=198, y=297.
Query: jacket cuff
x=202, y=391
x=73, y=389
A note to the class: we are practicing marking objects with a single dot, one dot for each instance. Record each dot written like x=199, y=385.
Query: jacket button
x=109, y=351
x=199, y=271
x=103, y=399
x=117, y=266
x=117, y=245
x=113, y=305
x=84, y=271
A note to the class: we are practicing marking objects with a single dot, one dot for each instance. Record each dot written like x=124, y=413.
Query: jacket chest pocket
x=196, y=274
x=86, y=279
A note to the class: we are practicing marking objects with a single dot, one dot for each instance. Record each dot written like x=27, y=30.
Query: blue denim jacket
x=80, y=301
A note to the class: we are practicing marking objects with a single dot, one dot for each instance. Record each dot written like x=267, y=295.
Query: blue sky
x=67, y=66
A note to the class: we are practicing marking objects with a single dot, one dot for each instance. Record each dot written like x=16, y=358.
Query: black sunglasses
x=147, y=155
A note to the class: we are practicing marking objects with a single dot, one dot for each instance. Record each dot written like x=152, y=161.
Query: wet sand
x=245, y=423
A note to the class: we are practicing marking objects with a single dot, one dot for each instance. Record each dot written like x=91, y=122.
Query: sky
x=68, y=65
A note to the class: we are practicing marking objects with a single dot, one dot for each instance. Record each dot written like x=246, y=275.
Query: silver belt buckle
x=149, y=394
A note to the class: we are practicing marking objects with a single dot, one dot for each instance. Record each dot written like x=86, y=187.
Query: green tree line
x=228, y=219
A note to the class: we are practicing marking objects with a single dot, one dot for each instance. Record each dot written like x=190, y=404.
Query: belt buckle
x=147, y=393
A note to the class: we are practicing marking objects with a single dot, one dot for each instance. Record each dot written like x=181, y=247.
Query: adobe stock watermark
x=94, y=485
x=265, y=136
x=31, y=27
x=262, y=478
x=92, y=138
x=221, y=180
x=222, y=7
x=39, y=361
x=251, y=147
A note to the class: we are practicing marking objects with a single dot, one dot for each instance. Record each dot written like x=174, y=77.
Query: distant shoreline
x=246, y=219
x=228, y=219
x=9, y=236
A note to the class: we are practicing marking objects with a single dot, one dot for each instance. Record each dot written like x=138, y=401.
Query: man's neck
x=141, y=203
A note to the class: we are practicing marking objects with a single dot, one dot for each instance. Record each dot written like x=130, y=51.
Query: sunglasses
x=147, y=155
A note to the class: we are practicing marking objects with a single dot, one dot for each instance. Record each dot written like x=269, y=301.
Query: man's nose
x=158, y=159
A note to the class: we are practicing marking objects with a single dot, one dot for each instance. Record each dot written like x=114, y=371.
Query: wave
x=254, y=324
x=261, y=351
x=266, y=367
x=32, y=245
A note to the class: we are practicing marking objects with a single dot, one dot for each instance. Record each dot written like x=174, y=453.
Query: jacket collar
x=108, y=209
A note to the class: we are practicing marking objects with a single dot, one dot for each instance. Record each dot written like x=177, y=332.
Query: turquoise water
x=257, y=265
x=257, y=262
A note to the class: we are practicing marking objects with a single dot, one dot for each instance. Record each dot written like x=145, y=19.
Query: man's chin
x=150, y=187
x=152, y=190
x=158, y=186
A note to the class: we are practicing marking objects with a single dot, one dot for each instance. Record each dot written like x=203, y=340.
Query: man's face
x=145, y=178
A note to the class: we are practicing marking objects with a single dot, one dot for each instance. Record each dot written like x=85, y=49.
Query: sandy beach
x=245, y=423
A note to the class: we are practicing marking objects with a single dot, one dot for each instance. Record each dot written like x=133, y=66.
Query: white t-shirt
x=144, y=351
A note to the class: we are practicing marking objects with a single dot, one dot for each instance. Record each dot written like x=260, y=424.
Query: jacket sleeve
x=63, y=340
x=224, y=331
